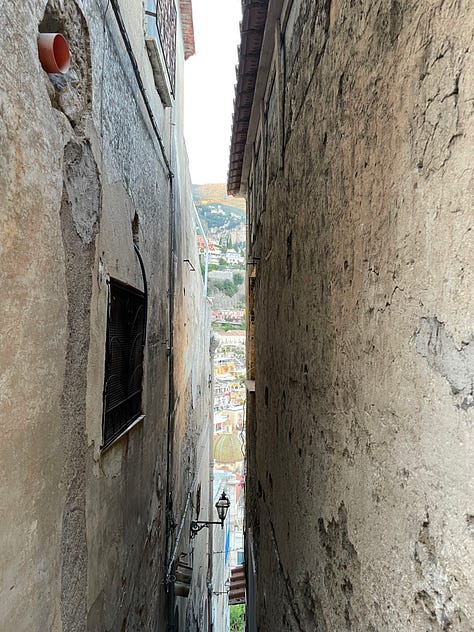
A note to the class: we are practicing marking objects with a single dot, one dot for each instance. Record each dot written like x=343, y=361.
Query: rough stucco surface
x=83, y=533
x=361, y=496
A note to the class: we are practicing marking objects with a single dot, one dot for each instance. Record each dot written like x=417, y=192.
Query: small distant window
x=123, y=360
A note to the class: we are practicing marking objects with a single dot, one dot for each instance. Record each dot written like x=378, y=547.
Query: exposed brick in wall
x=360, y=198
x=188, y=29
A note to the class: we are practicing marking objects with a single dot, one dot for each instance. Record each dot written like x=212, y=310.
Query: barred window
x=124, y=359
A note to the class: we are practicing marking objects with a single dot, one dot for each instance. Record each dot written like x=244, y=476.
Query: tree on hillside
x=226, y=286
x=237, y=618
x=238, y=278
x=229, y=288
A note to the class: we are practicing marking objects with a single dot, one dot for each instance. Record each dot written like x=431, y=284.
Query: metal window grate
x=124, y=359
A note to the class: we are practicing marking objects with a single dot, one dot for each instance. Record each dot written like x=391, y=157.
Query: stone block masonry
x=359, y=180
x=87, y=172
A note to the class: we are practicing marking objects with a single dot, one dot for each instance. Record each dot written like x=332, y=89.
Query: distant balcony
x=160, y=38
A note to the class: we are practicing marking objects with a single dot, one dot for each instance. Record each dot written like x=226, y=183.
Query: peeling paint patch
x=342, y=568
x=434, y=593
x=470, y=523
x=82, y=185
x=454, y=363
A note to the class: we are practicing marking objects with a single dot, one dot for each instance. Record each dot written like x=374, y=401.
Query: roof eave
x=240, y=161
x=252, y=30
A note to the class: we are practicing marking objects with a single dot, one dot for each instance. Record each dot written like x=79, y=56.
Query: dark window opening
x=136, y=230
x=198, y=501
x=123, y=360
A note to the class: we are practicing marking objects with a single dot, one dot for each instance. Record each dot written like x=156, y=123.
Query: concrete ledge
x=160, y=74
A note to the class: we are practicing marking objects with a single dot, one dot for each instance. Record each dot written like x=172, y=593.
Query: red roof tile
x=251, y=33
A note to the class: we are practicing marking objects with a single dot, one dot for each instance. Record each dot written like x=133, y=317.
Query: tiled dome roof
x=227, y=448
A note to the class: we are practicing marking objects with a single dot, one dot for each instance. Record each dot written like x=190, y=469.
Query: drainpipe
x=170, y=523
x=210, y=542
x=206, y=243
x=210, y=567
x=171, y=239
x=128, y=46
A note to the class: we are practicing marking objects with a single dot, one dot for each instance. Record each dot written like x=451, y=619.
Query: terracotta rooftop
x=188, y=28
x=251, y=36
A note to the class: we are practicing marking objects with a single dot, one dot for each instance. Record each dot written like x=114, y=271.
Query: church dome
x=227, y=448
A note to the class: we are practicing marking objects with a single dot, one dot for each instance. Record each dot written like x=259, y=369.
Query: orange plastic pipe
x=54, y=52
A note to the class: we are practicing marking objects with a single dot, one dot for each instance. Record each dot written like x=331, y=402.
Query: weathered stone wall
x=361, y=226
x=193, y=409
x=83, y=535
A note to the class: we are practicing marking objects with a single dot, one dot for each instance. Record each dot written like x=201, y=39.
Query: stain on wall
x=79, y=222
x=454, y=363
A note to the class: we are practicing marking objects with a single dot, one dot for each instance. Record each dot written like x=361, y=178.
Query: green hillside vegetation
x=220, y=214
x=227, y=218
x=217, y=209
x=225, y=286
x=230, y=288
x=228, y=326
x=237, y=618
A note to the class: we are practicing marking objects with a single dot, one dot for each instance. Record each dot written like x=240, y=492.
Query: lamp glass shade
x=222, y=506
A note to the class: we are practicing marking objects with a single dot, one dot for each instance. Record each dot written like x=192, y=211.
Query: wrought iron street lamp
x=222, y=506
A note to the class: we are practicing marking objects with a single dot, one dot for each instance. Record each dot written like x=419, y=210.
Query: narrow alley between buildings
x=245, y=406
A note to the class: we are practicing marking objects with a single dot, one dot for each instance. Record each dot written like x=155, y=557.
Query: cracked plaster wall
x=361, y=445
x=83, y=533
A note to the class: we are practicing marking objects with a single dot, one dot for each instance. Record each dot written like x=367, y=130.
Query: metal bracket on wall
x=253, y=261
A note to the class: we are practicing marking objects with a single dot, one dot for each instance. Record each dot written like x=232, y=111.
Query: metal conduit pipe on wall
x=206, y=243
x=171, y=239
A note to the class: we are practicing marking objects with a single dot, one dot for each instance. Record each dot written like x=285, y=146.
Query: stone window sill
x=137, y=421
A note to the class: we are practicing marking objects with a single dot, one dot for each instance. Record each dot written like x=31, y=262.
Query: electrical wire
x=145, y=289
x=141, y=86
x=185, y=512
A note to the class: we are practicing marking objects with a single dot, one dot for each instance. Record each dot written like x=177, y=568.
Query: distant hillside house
x=233, y=258
x=202, y=245
x=233, y=338
x=228, y=315
x=220, y=275
x=215, y=258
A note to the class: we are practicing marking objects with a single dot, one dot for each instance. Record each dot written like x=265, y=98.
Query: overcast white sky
x=209, y=88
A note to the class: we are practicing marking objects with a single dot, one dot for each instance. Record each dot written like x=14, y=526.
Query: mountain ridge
x=216, y=193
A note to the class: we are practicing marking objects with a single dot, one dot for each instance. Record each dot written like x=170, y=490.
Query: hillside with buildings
x=223, y=220
x=223, y=216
